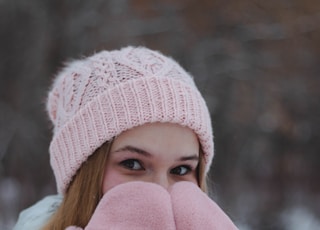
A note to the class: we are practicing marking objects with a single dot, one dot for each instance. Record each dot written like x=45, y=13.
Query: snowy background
x=256, y=62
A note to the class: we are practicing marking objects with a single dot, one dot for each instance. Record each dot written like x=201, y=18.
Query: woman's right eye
x=132, y=164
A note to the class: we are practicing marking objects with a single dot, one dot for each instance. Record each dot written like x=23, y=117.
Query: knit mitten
x=193, y=209
x=134, y=206
x=148, y=206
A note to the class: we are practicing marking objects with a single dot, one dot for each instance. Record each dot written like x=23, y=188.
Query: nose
x=162, y=180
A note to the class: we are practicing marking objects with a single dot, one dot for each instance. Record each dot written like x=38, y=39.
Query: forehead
x=159, y=138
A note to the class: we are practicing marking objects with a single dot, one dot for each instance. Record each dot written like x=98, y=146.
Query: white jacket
x=36, y=216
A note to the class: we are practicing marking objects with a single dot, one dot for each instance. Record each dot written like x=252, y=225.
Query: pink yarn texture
x=97, y=98
x=149, y=206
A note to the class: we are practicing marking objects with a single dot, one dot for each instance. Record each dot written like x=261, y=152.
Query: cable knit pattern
x=95, y=99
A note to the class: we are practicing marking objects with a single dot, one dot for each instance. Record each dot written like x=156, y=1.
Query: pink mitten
x=148, y=206
x=193, y=209
x=134, y=205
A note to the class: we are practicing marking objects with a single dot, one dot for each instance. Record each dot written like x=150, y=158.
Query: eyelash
x=187, y=168
x=131, y=164
x=126, y=163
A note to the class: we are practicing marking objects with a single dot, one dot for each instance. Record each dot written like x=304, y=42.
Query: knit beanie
x=97, y=98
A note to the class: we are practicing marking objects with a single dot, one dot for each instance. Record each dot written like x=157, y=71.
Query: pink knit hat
x=97, y=98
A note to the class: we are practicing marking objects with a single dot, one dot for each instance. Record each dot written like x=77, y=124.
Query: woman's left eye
x=181, y=170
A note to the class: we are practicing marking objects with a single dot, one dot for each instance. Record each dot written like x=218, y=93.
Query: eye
x=132, y=164
x=181, y=170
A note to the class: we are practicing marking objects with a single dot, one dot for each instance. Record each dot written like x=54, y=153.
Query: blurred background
x=256, y=62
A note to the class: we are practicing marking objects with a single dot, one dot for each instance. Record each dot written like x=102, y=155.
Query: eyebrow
x=133, y=149
x=190, y=158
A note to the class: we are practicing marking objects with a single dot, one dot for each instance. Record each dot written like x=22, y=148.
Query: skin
x=160, y=153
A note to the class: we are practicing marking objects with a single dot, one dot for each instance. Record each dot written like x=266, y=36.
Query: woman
x=121, y=116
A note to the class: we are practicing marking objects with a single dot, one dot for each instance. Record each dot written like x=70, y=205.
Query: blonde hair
x=86, y=191
x=202, y=173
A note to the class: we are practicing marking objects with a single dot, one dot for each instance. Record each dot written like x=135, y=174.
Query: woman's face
x=161, y=153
